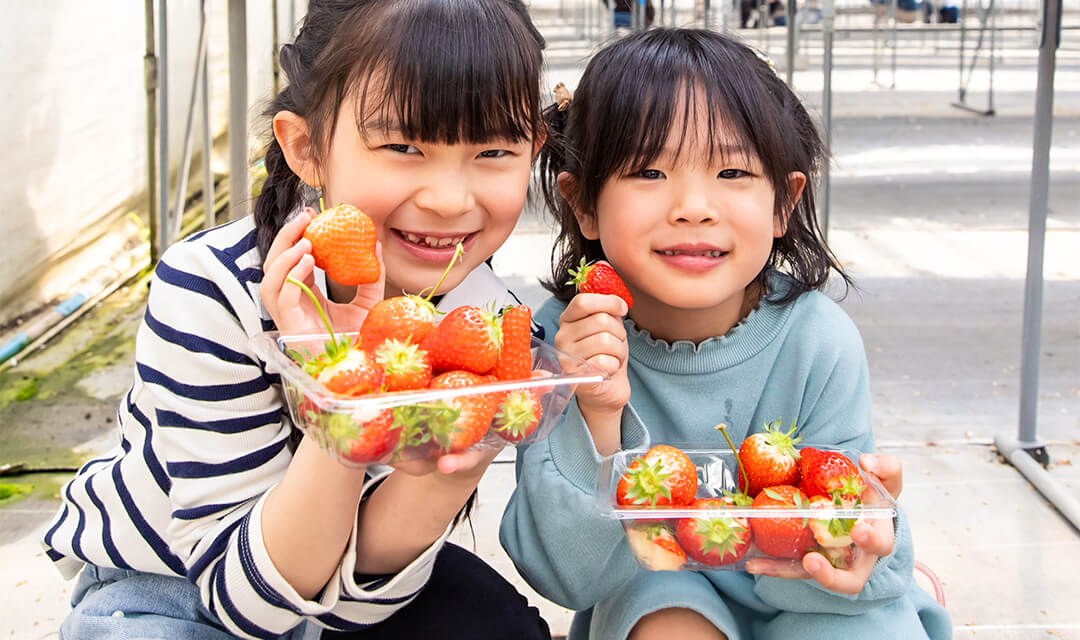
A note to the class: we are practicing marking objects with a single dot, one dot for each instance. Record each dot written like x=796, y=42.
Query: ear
x=568, y=187
x=796, y=184
x=293, y=135
x=541, y=137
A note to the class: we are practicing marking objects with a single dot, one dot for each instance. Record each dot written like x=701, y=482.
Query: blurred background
x=954, y=127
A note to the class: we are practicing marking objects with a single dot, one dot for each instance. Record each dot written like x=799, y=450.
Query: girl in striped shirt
x=209, y=520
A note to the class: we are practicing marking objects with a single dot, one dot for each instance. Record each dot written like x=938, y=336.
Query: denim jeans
x=465, y=598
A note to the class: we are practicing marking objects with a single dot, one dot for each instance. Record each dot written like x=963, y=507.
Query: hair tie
x=764, y=58
x=563, y=97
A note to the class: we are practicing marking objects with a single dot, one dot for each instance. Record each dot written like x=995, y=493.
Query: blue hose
x=19, y=342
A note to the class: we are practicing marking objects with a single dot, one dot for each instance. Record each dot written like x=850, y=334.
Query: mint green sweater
x=803, y=361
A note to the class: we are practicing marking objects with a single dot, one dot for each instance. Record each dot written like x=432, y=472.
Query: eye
x=731, y=174
x=401, y=148
x=649, y=174
x=493, y=153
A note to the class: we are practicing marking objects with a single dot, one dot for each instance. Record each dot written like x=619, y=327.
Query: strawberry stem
x=722, y=428
x=458, y=251
x=314, y=301
x=322, y=207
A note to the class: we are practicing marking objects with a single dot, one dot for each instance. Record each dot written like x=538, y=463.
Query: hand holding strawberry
x=600, y=277
x=293, y=313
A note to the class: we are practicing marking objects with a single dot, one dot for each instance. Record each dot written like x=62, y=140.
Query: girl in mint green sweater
x=689, y=166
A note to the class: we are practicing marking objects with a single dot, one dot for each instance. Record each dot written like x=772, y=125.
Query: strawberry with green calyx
x=829, y=473
x=341, y=367
x=655, y=547
x=405, y=365
x=404, y=318
x=343, y=244
x=518, y=415
x=468, y=339
x=782, y=537
x=418, y=421
x=769, y=458
x=515, y=354
x=475, y=412
x=663, y=476
x=364, y=442
x=714, y=540
x=833, y=533
x=600, y=277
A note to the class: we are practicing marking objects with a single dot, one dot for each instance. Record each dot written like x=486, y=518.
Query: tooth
x=412, y=237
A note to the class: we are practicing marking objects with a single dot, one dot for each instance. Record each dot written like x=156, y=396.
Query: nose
x=694, y=207
x=446, y=194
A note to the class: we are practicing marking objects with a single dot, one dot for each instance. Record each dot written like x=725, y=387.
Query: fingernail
x=623, y=308
x=751, y=568
x=813, y=564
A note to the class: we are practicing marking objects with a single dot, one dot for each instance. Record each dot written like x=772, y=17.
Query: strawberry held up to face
x=600, y=277
x=663, y=476
x=343, y=244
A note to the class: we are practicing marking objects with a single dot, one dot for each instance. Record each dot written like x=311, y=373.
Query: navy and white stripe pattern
x=203, y=437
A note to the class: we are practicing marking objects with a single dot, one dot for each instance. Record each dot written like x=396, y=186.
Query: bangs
x=654, y=97
x=448, y=72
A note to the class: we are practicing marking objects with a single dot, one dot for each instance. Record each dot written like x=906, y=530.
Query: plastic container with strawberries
x=458, y=410
x=682, y=509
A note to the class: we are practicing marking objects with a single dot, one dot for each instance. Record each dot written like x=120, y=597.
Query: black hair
x=623, y=112
x=443, y=71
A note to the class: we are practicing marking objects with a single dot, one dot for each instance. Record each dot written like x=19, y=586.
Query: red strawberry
x=664, y=475
x=600, y=277
x=467, y=338
x=365, y=442
x=515, y=356
x=354, y=374
x=518, y=415
x=828, y=473
x=406, y=365
x=782, y=537
x=403, y=318
x=655, y=547
x=769, y=458
x=343, y=244
x=713, y=540
x=474, y=412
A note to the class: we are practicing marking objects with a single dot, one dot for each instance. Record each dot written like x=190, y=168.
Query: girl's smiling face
x=426, y=197
x=689, y=233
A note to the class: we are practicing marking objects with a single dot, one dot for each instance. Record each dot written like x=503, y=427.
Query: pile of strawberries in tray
x=699, y=508
x=412, y=382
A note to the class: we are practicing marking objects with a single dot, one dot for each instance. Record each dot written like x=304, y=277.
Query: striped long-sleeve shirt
x=203, y=438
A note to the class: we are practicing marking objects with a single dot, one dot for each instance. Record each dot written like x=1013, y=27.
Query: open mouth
x=704, y=253
x=432, y=241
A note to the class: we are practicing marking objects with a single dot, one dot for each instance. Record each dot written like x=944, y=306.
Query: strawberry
x=518, y=415
x=365, y=442
x=406, y=365
x=355, y=373
x=782, y=537
x=834, y=534
x=664, y=475
x=343, y=244
x=713, y=540
x=600, y=277
x=769, y=458
x=655, y=547
x=515, y=355
x=468, y=338
x=828, y=473
x=402, y=318
x=474, y=412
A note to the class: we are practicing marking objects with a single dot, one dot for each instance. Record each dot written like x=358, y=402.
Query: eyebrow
x=379, y=123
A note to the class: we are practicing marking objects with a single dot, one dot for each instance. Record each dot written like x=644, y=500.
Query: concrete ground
x=929, y=214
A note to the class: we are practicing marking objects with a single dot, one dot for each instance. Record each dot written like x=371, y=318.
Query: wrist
x=605, y=425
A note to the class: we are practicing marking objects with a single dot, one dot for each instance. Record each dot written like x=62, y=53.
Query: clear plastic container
x=667, y=538
x=372, y=428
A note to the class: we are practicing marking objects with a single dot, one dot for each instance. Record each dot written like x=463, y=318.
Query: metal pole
x=209, y=219
x=239, y=191
x=150, y=78
x=895, y=45
x=993, y=43
x=274, y=45
x=790, y=43
x=962, y=90
x=189, y=127
x=827, y=16
x=164, y=228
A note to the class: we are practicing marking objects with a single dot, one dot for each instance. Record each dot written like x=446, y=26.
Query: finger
x=291, y=296
x=849, y=581
x=275, y=271
x=775, y=568
x=586, y=304
x=289, y=234
x=368, y=295
x=600, y=344
x=415, y=467
x=468, y=460
x=608, y=364
x=591, y=325
x=887, y=468
x=875, y=537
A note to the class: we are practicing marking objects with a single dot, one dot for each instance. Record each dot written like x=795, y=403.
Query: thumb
x=368, y=295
